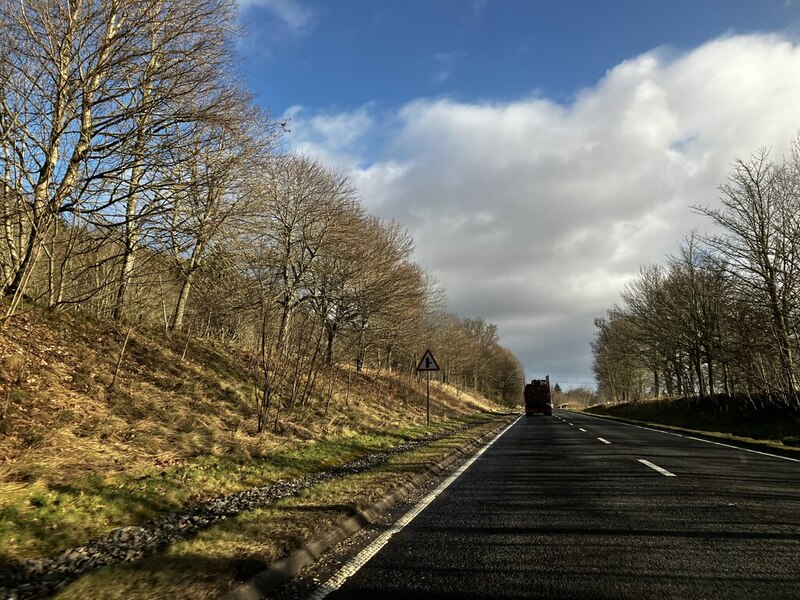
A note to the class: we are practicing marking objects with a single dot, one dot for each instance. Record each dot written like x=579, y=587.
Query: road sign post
x=427, y=363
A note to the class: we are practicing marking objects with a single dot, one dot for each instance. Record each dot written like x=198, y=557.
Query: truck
x=537, y=397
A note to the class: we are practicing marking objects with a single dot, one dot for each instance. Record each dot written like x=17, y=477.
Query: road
x=565, y=507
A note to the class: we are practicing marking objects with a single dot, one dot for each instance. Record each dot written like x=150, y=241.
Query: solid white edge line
x=358, y=561
x=636, y=426
x=605, y=441
x=664, y=472
x=689, y=437
x=697, y=439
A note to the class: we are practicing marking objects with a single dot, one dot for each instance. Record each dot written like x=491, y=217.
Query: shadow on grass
x=347, y=509
x=719, y=415
x=8, y=568
x=179, y=576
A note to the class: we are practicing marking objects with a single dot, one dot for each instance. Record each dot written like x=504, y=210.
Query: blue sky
x=345, y=53
x=538, y=152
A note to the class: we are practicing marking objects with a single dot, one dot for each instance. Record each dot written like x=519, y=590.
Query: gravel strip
x=41, y=577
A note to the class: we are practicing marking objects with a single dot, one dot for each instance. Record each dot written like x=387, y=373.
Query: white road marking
x=581, y=429
x=664, y=472
x=572, y=425
x=637, y=426
x=688, y=437
x=358, y=561
x=697, y=439
x=605, y=441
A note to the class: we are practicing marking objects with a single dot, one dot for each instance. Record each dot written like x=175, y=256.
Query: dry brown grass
x=236, y=549
x=77, y=459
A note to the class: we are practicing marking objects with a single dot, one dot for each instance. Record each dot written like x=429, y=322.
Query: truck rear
x=537, y=397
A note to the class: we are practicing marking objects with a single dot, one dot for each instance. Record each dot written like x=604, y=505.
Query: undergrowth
x=78, y=458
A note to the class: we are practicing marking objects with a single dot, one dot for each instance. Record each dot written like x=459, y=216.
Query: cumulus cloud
x=337, y=139
x=534, y=214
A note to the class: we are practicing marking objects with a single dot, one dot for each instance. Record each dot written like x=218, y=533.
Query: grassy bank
x=79, y=457
x=236, y=549
x=732, y=419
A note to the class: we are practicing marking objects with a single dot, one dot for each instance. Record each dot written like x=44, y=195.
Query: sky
x=539, y=152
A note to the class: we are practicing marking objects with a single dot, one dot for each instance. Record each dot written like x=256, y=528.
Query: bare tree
x=214, y=186
x=304, y=202
x=88, y=89
x=373, y=290
x=760, y=246
x=620, y=373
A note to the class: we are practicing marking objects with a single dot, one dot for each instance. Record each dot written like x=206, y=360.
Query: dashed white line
x=664, y=472
x=336, y=581
x=572, y=425
x=581, y=429
x=697, y=439
x=632, y=425
x=605, y=441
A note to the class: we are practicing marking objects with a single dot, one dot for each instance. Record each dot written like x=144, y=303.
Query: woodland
x=719, y=320
x=140, y=184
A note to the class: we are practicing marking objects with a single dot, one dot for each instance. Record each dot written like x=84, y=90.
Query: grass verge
x=43, y=519
x=781, y=433
x=236, y=549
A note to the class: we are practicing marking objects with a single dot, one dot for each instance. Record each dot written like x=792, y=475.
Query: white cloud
x=338, y=139
x=534, y=214
x=293, y=15
x=446, y=63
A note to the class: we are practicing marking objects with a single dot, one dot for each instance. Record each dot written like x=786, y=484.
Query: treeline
x=722, y=315
x=139, y=182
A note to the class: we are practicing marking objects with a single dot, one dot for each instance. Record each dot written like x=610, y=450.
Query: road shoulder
x=725, y=439
x=280, y=572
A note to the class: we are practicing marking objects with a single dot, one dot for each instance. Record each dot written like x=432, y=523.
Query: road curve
x=574, y=506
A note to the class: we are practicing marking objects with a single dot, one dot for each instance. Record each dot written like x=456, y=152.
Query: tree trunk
x=330, y=332
x=280, y=340
x=711, y=387
x=180, y=306
x=657, y=382
x=669, y=384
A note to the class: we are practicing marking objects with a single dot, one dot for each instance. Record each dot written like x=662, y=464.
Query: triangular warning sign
x=428, y=363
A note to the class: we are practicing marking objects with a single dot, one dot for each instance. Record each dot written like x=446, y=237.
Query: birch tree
x=87, y=89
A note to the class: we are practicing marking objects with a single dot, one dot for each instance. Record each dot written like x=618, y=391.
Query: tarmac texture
x=574, y=506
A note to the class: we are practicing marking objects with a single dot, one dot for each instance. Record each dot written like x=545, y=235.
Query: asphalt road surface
x=566, y=507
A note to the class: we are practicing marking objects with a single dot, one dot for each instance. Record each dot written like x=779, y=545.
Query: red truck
x=537, y=397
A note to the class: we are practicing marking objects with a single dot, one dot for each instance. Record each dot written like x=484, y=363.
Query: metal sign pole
x=427, y=364
x=428, y=402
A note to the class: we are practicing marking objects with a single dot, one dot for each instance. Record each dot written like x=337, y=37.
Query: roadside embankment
x=725, y=419
x=107, y=430
x=234, y=549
